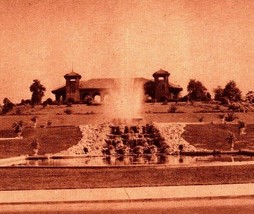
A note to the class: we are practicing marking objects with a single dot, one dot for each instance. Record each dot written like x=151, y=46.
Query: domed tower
x=161, y=85
x=72, y=86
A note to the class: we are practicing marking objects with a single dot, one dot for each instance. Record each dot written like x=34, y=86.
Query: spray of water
x=125, y=100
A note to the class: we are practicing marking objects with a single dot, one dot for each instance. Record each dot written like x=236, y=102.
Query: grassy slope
x=212, y=136
x=51, y=140
x=56, y=139
x=150, y=112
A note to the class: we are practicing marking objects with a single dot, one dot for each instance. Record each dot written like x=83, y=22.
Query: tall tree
x=232, y=92
x=38, y=91
x=196, y=90
x=218, y=93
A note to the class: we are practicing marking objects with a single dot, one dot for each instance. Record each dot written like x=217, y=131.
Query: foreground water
x=136, y=160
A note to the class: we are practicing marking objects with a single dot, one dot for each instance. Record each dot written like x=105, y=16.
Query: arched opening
x=97, y=97
x=61, y=99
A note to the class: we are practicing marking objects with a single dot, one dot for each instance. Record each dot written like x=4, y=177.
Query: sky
x=208, y=40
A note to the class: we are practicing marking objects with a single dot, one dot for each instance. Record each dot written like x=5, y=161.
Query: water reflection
x=136, y=160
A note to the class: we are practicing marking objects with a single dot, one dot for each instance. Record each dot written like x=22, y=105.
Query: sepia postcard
x=126, y=106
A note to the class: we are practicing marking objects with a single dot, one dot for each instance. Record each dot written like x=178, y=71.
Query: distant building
x=165, y=90
x=76, y=90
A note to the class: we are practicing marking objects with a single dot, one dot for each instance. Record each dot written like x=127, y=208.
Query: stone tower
x=162, y=85
x=72, y=87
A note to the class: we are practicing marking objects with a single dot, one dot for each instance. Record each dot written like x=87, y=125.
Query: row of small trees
x=230, y=92
x=198, y=92
x=38, y=91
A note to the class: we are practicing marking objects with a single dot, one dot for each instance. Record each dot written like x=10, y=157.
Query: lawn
x=213, y=136
x=150, y=112
x=65, y=132
x=81, y=177
x=52, y=140
x=210, y=134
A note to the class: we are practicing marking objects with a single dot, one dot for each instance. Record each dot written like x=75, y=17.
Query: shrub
x=241, y=124
x=236, y=107
x=201, y=119
x=44, y=104
x=217, y=108
x=18, y=111
x=34, y=119
x=8, y=106
x=69, y=104
x=49, y=123
x=25, y=102
x=231, y=138
x=241, y=127
x=18, y=127
x=68, y=111
x=49, y=101
x=230, y=117
x=172, y=109
x=35, y=144
x=221, y=116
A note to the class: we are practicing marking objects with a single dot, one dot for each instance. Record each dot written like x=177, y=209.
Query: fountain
x=124, y=134
x=124, y=105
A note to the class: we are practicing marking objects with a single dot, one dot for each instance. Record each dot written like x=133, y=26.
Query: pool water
x=136, y=160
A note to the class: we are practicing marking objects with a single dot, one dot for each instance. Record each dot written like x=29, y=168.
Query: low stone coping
x=68, y=156
x=37, y=157
x=212, y=152
x=247, y=152
x=11, y=138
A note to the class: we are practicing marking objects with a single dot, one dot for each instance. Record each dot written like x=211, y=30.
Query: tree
x=197, y=91
x=218, y=93
x=37, y=90
x=232, y=92
x=208, y=96
x=8, y=105
x=150, y=89
x=250, y=97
